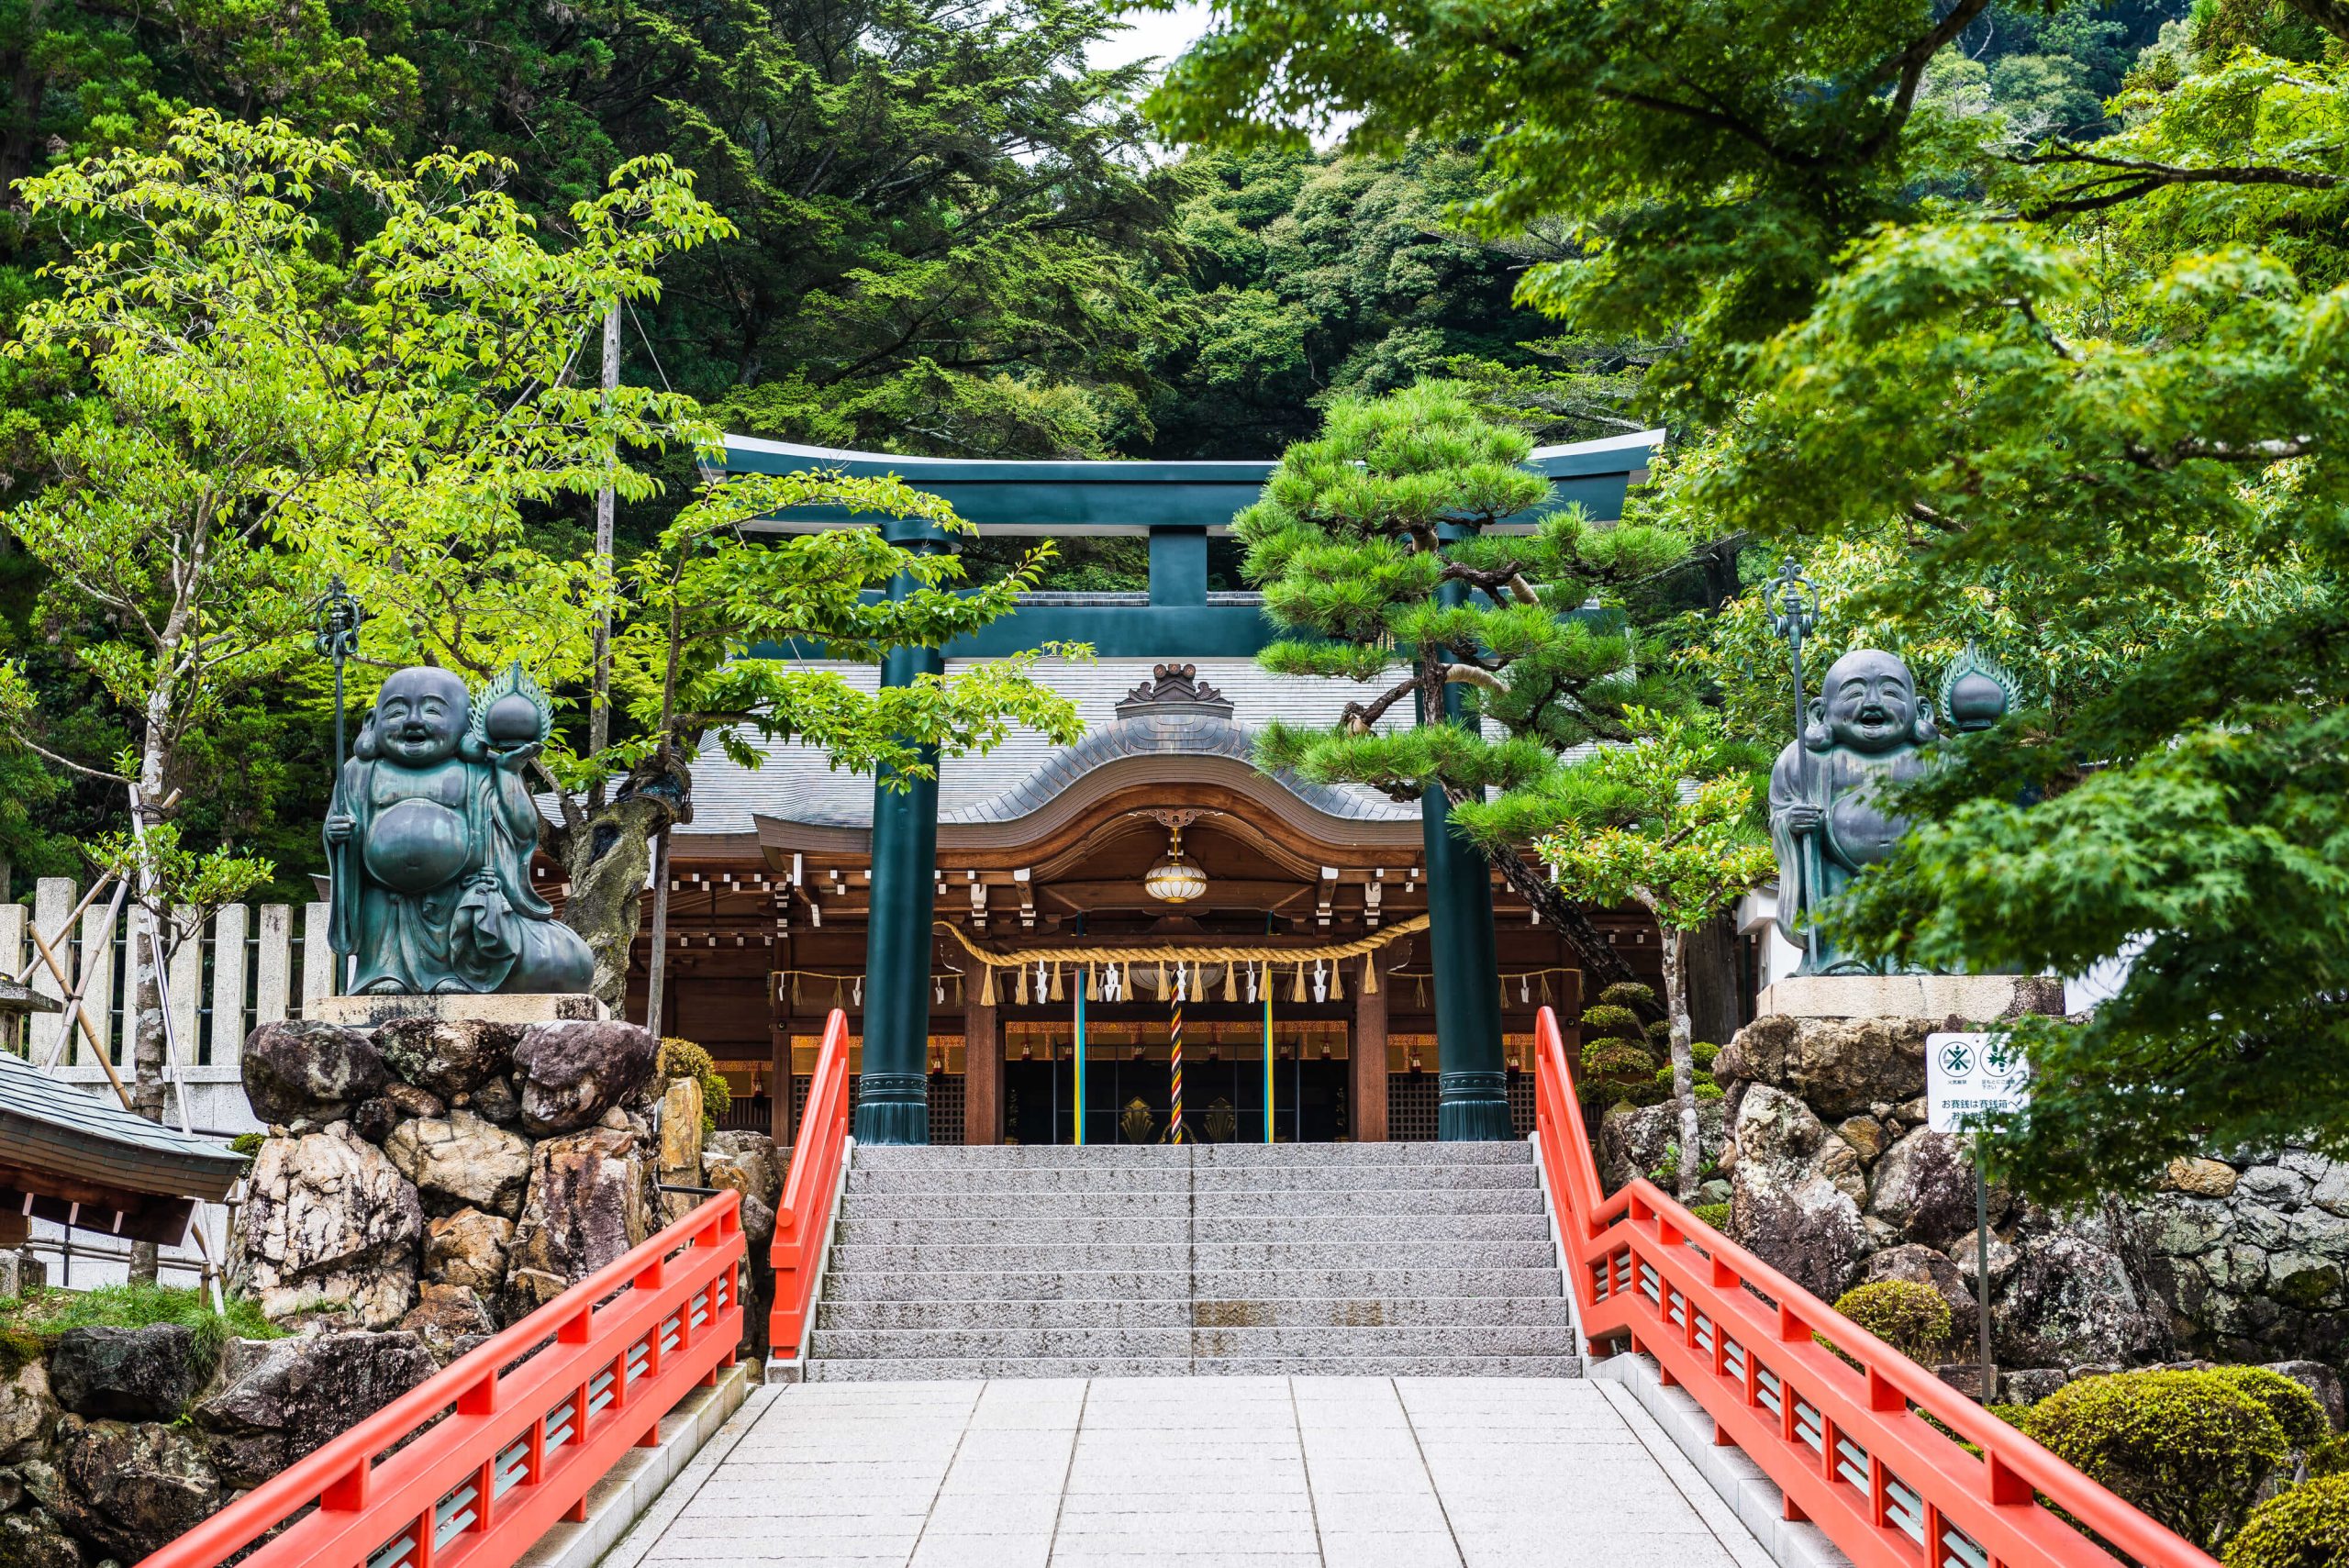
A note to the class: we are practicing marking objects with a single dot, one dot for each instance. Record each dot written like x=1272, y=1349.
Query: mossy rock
x=1713, y=1214
x=2307, y=1527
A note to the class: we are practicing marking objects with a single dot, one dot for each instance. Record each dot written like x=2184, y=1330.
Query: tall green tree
x=252, y=406
x=1378, y=547
x=1667, y=820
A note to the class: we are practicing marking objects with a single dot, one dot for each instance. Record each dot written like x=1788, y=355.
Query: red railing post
x=441, y=1447
x=803, y=1215
x=1995, y=1502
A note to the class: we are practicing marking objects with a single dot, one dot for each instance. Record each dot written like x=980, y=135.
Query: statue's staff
x=1794, y=618
x=339, y=617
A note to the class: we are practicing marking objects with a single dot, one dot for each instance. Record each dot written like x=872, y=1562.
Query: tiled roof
x=797, y=782
x=60, y=1127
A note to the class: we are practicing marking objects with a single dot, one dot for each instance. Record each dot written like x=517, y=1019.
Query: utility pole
x=599, y=706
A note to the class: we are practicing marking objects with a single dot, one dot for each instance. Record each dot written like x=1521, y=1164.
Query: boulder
x=328, y=1220
x=2319, y=1380
x=131, y=1374
x=29, y=1413
x=1837, y=1066
x=1923, y=1188
x=1922, y=1265
x=125, y=1489
x=1636, y=1141
x=1864, y=1134
x=293, y=1394
x=410, y=1101
x=2202, y=1178
x=494, y=1101
x=2070, y=1302
x=744, y=1162
x=680, y=1157
x=460, y=1160
x=2029, y=1386
x=573, y=1071
x=1784, y=1204
x=373, y=1119
x=449, y=1319
x=301, y=1075
x=468, y=1248
x=35, y=1540
x=1965, y=1253
x=447, y=1057
x=589, y=1203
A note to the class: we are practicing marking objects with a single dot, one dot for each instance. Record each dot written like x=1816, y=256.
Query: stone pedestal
x=1975, y=999
x=367, y=1012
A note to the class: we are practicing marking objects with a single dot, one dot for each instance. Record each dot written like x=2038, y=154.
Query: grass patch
x=29, y=1322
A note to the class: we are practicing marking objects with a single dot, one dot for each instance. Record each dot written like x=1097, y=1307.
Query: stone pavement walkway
x=1253, y=1473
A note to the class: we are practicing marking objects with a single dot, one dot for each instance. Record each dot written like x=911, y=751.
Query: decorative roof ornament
x=1174, y=689
x=1976, y=691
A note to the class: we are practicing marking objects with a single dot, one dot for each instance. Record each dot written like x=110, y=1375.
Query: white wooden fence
x=255, y=965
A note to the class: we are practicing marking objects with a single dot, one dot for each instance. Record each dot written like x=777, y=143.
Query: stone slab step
x=1288, y=1156
x=1184, y=1179
x=1217, y=1257
x=1497, y=1311
x=1234, y=1366
x=1297, y=1202
x=1428, y=1340
x=1061, y=1231
x=1182, y=1285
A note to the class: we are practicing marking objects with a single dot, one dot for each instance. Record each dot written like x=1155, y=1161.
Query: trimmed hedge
x=2191, y=1449
x=1911, y=1317
x=2295, y=1409
x=2307, y=1527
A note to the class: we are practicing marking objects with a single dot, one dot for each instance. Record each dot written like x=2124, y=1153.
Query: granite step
x=1425, y=1339
x=1273, y=1203
x=973, y=1367
x=1181, y=1285
x=1201, y=1257
x=1283, y=1156
x=1054, y=1233
x=1184, y=1179
x=1302, y=1312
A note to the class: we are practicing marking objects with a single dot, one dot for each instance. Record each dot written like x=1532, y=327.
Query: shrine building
x=1029, y=950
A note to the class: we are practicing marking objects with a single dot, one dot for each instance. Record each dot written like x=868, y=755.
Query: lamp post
x=1796, y=618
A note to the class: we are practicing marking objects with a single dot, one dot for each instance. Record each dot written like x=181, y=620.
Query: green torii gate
x=1177, y=506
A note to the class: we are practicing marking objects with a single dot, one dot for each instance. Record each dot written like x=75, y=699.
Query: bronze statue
x=1866, y=729
x=429, y=837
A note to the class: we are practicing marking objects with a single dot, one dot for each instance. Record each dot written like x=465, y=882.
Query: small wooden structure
x=69, y=1157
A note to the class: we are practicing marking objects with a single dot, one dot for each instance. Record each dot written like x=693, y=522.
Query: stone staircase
x=1374, y=1259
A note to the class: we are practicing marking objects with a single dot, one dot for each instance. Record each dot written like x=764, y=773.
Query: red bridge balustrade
x=803, y=1221
x=1849, y=1445
x=471, y=1467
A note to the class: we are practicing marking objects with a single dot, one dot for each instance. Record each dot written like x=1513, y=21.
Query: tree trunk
x=149, y=1042
x=607, y=855
x=1683, y=1060
x=1598, y=956
x=1716, y=995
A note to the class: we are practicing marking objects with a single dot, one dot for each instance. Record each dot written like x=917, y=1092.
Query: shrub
x=2307, y=1527
x=1713, y=1214
x=1627, y=994
x=1604, y=1022
x=1616, y=1062
x=2189, y=1448
x=1911, y=1317
x=1704, y=1050
x=2295, y=1409
x=2330, y=1457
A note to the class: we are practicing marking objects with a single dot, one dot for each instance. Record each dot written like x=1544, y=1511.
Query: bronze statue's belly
x=416, y=846
x=1864, y=834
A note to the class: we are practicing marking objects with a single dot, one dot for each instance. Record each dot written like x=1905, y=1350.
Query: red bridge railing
x=1849, y=1445
x=470, y=1467
x=803, y=1221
